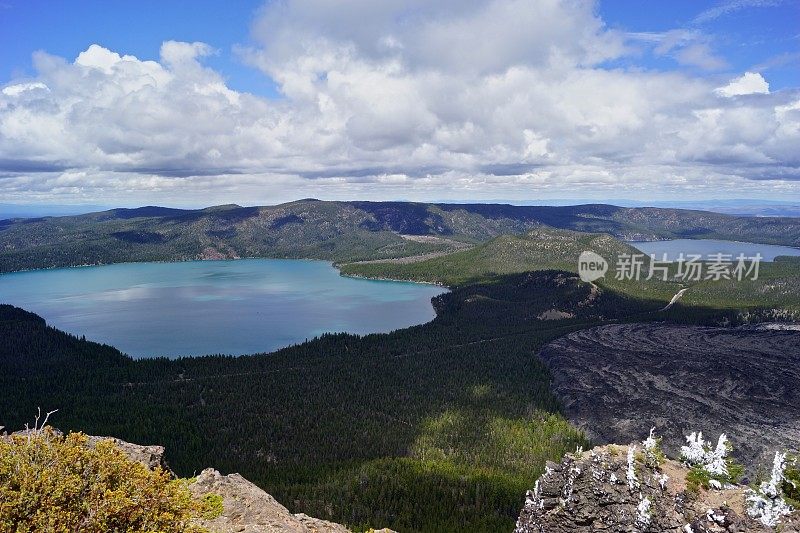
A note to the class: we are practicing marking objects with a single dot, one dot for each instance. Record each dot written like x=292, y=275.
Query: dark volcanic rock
x=618, y=381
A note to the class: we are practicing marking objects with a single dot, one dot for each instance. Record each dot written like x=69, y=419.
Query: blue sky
x=253, y=101
x=757, y=35
x=66, y=28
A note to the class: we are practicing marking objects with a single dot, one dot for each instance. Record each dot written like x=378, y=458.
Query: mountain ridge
x=343, y=231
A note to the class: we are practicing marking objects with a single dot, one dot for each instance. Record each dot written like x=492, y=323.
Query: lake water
x=708, y=247
x=206, y=307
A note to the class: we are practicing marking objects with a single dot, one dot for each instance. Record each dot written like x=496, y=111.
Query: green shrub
x=698, y=477
x=791, y=482
x=211, y=506
x=710, y=466
x=55, y=483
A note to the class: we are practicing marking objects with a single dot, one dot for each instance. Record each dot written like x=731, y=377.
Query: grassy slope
x=777, y=287
x=630, y=223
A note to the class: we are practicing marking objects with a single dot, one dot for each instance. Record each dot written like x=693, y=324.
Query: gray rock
x=150, y=456
x=590, y=492
x=248, y=509
x=51, y=429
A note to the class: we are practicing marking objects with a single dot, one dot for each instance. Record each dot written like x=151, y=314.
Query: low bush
x=55, y=483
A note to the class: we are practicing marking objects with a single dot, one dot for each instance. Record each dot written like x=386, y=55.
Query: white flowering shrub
x=694, y=453
x=630, y=474
x=644, y=512
x=653, y=455
x=767, y=504
x=717, y=461
x=711, y=466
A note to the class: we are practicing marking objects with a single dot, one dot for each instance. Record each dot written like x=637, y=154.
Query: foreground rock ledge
x=246, y=508
x=591, y=492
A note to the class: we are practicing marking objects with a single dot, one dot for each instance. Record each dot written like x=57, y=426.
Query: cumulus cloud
x=20, y=88
x=749, y=83
x=175, y=53
x=472, y=35
x=396, y=99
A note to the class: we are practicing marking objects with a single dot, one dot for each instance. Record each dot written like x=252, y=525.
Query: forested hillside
x=539, y=249
x=775, y=292
x=342, y=231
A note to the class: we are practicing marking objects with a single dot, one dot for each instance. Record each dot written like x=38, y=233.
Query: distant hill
x=343, y=231
x=776, y=291
x=538, y=249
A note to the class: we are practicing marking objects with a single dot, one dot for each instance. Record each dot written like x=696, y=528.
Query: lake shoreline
x=398, y=280
x=200, y=307
x=710, y=247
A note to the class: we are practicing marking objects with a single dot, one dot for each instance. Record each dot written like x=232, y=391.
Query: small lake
x=708, y=247
x=207, y=307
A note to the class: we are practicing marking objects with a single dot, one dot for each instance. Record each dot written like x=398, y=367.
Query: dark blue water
x=205, y=307
x=708, y=247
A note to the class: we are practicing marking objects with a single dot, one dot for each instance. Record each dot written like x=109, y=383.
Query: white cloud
x=687, y=47
x=726, y=7
x=749, y=83
x=700, y=55
x=471, y=35
x=100, y=58
x=20, y=88
x=174, y=53
x=395, y=99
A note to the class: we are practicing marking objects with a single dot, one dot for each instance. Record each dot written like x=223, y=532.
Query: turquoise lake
x=208, y=307
x=708, y=247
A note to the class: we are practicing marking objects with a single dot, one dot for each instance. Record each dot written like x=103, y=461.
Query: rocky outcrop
x=150, y=456
x=604, y=490
x=248, y=509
